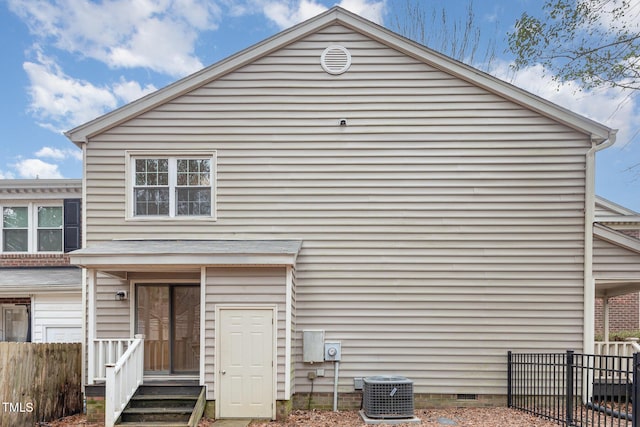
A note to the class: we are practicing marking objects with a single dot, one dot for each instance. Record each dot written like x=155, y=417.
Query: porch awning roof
x=138, y=255
x=28, y=280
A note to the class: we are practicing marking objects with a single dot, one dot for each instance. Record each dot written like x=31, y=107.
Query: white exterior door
x=245, y=368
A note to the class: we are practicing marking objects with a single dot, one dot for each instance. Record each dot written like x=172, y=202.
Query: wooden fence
x=39, y=382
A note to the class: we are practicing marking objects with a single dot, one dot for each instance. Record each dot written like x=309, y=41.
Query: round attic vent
x=335, y=59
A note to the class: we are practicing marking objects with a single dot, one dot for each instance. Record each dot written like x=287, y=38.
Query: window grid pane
x=152, y=172
x=15, y=240
x=194, y=172
x=151, y=191
x=151, y=201
x=15, y=217
x=193, y=201
x=49, y=231
x=49, y=240
x=49, y=217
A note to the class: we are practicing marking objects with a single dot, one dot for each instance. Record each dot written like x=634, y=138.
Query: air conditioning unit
x=387, y=397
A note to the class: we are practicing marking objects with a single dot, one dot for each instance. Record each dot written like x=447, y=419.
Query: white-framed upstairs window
x=178, y=186
x=15, y=229
x=49, y=224
x=32, y=228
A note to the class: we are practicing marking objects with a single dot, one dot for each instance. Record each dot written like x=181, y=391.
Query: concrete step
x=157, y=414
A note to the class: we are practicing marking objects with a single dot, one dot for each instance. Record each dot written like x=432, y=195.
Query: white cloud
x=286, y=13
x=36, y=168
x=58, y=154
x=609, y=20
x=157, y=34
x=371, y=10
x=6, y=175
x=129, y=91
x=60, y=101
x=613, y=107
x=51, y=153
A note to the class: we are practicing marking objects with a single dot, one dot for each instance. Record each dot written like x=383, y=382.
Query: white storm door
x=245, y=368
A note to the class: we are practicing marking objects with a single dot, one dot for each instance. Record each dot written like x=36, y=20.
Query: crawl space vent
x=335, y=59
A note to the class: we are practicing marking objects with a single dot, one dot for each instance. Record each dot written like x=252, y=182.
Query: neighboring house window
x=15, y=229
x=49, y=228
x=32, y=228
x=172, y=186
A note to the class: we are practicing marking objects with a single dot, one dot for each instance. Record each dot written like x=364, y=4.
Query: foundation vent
x=467, y=397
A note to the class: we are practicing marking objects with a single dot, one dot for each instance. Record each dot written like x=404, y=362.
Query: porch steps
x=164, y=405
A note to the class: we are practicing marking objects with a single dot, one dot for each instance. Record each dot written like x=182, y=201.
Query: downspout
x=589, y=217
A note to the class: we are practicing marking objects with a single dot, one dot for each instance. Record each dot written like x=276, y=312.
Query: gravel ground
x=460, y=417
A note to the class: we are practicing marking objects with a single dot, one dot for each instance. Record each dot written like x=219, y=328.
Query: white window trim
x=132, y=155
x=32, y=229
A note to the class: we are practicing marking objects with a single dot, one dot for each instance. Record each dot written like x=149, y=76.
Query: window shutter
x=72, y=224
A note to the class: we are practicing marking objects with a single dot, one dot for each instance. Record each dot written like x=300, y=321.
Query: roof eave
x=615, y=207
x=615, y=237
x=135, y=261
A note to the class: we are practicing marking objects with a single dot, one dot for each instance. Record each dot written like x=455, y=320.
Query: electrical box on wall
x=332, y=351
x=312, y=346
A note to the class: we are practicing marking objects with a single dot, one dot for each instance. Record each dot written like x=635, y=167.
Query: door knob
x=223, y=372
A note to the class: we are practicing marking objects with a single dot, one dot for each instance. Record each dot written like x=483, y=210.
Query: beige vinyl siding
x=605, y=211
x=611, y=262
x=113, y=318
x=441, y=227
x=249, y=286
x=62, y=309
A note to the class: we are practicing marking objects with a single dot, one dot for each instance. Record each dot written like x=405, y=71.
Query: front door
x=169, y=317
x=245, y=370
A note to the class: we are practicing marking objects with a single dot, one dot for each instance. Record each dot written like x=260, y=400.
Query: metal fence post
x=569, y=388
x=509, y=379
x=635, y=391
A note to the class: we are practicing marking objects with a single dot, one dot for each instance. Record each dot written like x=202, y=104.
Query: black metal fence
x=573, y=389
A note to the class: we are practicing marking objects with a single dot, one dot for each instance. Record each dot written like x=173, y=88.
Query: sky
x=65, y=62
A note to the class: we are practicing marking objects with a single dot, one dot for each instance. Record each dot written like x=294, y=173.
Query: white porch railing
x=122, y=380
x=615, y=365
x=105, y=351
x=616, y=348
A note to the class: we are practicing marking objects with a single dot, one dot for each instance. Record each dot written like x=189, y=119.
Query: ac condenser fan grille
x=387, y=397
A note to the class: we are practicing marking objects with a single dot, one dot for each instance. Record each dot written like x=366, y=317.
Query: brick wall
x=623, y=313
x=34, y=260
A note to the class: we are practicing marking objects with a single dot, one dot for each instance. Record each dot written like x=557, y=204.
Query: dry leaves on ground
x=462, y=417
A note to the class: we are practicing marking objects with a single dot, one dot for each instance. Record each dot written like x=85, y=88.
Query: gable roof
x=598, y=132
x=616, y=214
x=614, y=208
